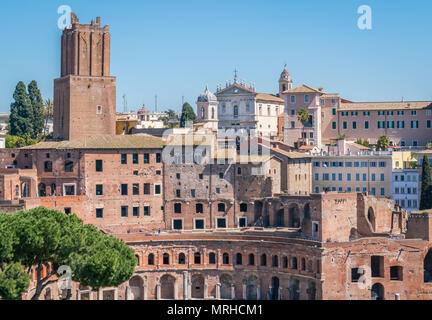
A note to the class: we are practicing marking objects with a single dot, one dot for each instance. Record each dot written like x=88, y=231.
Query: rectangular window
x=364, y=177
x=242, y=222
x=193, y=193
x=357, y=176
x=135, y=211
x=316, y=177
x=334, y=111
x=199, y=208
x=135, y=189
x=414, y=124
x=158, y=158
x=293, y=99
x=428, y=124
x=325, y=177
x=396, y=273
x=292, y=124
x=147, y=210
x=99, y=166
x=177, y=208
x=146, y=188
x=124, y=158
x=380, y=113
x=400, y=113
x=124, y=211
x=366, y=124
x=382, y=177
x=390, y=124
x=135, y=158
x=99, y=213
x=354, y=113
x=413, y=112
x=146, y=158
x=348, y=176
x=377, y=266
x=99, y=189
x=199, y=224
x=382, y=191
x=178, y=193
x=157, y=189
x=124, y=189
x=356, y=164
x=373, y=177
x=366, y=113
x=177, y=224
x=345, y=125
x=334, y=125
x=306, y=98
x=333, y=176
x=221, y=222
x=340, y=176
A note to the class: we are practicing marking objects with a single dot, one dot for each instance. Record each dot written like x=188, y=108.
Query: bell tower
x=207, y=109
x=85, y=95
x=285, y=82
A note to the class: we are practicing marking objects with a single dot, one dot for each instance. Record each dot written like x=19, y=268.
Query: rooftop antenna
x=125, y=108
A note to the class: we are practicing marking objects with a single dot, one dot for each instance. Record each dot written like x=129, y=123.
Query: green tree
x=19, y=142
x=383, y=142
x=303, y=116
x=426, y=185
x=42, y=237
x=37, y=107
x=188, y=115
x=364, y=142
x=171, y=113
x=13, y=281
x=20, y=120
x=48, y=112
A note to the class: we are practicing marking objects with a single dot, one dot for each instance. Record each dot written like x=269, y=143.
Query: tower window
x=99, y=110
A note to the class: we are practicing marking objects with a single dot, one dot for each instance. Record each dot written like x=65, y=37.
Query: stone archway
x=136, y=285
x=280, y=218
x=167, y=287
x=258, y=210
x=371, y=218
x=225, y=289
x=428, y=266
x=274, y=293
x=197, y=291
x=251, y=288
x=377, y=292
x=294, y=216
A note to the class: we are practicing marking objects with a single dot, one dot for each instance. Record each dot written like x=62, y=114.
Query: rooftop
x=104, y=142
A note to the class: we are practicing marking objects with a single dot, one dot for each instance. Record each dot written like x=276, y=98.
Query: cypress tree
x=188, y=114
x=426, y=187
x=37, y=109
x=20, y=120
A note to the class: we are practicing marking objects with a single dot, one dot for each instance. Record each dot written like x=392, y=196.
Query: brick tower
x=85, y=95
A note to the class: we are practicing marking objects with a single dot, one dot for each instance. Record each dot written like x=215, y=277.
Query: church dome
x=207, y=96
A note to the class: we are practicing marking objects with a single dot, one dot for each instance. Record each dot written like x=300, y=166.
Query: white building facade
x=406, y=188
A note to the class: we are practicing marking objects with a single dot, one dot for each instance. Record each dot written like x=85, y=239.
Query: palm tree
x=48, y=112
x=303, y=116
x=383, y=142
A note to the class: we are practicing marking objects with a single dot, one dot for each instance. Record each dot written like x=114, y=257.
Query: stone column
x=279, y=293
x=185, y=285
x=258, y=289
x=205, y=290
x=78, y=295
x=100, y=292
x=115, y=294
x=189, y=290
x=244, y=291
x=218, y=288
x=233, y=296
x=175, y=290
x=145, y=297
x=158, y=291
x=269, y=292
x=128, y=293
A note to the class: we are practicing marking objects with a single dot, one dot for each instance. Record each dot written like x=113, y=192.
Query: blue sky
x=174, y=48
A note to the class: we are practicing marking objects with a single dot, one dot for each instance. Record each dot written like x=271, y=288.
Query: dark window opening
x=124, y=158
x=178, y=224
x=135, y=211
x=147, y=210
x=396, y=273
x=99, y=213
x=182, y=258
x=146, y=158
x=124, y=189
x=177, y=208
x=150, y=259
x=199, y=224
x=48, y=166
x=165, y=258
x=239, y=259
x=135, y=158
x=99, y=166
x=243, y=207
x=212, y=258
x=197, y=258
x=68, y=167
x=199, y=208
x=124, y=211
x=356, y=274
x=251, y=259
x=221, y=223
x=99, y=190
x=225, y=258
x=146, y=188
x=221, y=207
x=377, y=266
x=135, y=189
x=263, y=260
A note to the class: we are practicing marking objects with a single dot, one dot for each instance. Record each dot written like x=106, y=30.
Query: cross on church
x=235, y=75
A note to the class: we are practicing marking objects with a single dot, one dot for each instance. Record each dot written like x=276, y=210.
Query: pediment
x=235, y=89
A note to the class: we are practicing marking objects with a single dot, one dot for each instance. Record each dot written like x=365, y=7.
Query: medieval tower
x=85, y=95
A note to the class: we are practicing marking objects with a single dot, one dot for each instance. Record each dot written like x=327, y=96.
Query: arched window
x=275, y=261
x=221, y=207
x=166, y=258
x=236, y=111
x=202, y=113
x=285, y=262
x=212, y=258
x=239, y=258
x=197, y=258
x=223, y=108
x=251, y=259
x=263, y=260
x=294, y=263
x=212, y=113
x=225, y=258
x=138, y=259
x=150, y=259
x=303, y=264
x=182, y=258
x=53, y=189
